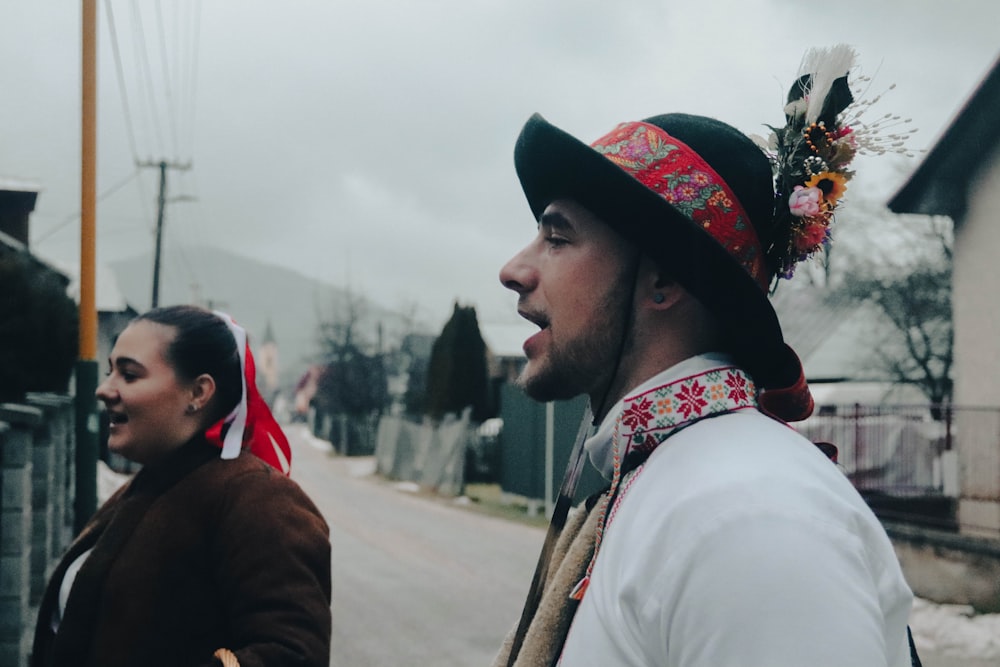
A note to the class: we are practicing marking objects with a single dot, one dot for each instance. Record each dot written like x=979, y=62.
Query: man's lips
x=535, y=318
x=532, y=342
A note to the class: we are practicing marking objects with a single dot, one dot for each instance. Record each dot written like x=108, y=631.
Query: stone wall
x=949, y=568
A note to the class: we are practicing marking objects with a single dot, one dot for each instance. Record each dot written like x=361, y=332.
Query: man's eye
x=554, y=240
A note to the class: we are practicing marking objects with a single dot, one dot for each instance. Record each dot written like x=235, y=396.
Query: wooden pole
x=85, y=500
x=88, y=186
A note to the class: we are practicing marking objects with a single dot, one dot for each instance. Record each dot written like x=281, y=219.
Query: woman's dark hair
x=203, y=344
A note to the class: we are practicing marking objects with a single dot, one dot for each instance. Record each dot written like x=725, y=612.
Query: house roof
x=108, y=295
x=832, y=333
x=939, y=186
x=808, y=315
x=19, y=185
x=8, y=241
x=12, y=243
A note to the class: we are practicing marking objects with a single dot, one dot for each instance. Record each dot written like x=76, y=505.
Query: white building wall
x=976, y=304
x=976, y=289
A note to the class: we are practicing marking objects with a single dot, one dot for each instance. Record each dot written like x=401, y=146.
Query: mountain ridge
x=256, y=293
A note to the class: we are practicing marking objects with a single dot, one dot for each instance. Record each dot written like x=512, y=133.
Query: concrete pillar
x=59, y=420
x=41, y=489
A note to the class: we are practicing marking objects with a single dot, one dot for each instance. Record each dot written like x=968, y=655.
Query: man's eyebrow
x=554, y=219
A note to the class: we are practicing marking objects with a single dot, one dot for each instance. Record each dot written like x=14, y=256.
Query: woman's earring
x=192, y=408
x=658, y=297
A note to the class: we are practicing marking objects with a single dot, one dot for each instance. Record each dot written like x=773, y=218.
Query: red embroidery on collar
x=648, y=418
x=651, y=417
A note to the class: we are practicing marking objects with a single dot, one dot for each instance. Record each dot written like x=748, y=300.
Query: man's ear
x=202, y=390
x=663, y=291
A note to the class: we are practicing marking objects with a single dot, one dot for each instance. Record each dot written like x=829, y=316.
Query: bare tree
x=352, y=386
x=912, y=288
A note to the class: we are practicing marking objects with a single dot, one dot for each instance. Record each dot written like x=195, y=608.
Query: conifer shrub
x=39, y=325
x=457, y=376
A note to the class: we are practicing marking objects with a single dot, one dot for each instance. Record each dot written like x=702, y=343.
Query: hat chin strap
x=599, y=409
x=571, y=479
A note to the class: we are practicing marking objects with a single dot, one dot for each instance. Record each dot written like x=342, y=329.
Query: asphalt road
x=419, y=581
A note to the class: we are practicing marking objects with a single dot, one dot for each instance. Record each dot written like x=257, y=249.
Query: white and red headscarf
x=252, y=427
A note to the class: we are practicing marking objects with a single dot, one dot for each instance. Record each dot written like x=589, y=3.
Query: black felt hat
x=661, y=199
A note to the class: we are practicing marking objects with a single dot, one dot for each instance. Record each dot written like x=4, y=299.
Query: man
x=725, y=537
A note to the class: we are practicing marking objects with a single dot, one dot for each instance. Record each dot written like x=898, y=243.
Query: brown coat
x=192, y=555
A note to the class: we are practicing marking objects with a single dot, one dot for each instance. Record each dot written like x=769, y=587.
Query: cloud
x=373, y=141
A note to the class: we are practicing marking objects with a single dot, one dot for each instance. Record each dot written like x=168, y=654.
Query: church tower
x=267, y=366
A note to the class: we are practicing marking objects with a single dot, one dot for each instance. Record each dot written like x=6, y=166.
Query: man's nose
x=518, y=274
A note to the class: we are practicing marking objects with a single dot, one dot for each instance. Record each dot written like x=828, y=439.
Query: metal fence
x=896, y=449
x=903, y=458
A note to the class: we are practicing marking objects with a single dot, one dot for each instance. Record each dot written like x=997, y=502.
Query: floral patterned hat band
x=675, y=172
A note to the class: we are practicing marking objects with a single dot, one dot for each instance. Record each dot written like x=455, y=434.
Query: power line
x=191, y=91
x=146, y=83
x=167, y=89
x=76, y=216
x=165, y=102
x=121, y=80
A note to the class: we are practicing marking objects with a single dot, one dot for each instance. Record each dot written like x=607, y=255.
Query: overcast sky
x=369, y=142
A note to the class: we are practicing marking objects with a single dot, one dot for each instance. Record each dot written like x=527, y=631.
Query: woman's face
x=148, y=406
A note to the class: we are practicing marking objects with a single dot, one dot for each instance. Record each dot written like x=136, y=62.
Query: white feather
x=826, y=66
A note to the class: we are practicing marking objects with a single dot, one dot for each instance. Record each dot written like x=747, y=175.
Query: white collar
x=599, y=445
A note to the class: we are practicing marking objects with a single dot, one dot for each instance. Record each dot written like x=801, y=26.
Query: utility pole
x=161, y=201
x=85, y=500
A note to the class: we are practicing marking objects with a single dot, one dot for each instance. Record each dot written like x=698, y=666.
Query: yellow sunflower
x=832, y=184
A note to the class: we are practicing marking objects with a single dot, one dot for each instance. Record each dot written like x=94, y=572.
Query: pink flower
x=811, y=237
x=804, y=201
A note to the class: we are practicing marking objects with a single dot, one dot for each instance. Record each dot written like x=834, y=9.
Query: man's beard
x=586, y=363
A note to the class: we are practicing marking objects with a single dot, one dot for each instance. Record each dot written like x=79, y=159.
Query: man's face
x=573, y=281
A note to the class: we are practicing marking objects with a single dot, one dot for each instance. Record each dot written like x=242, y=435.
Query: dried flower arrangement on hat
x=811, y=155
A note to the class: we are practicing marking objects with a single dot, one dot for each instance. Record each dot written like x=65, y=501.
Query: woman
x=204, y=557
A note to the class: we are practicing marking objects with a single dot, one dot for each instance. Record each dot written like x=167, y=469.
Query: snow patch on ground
x=955, y=630
x=407, y=487
x=362, y=466
x=302, y=432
